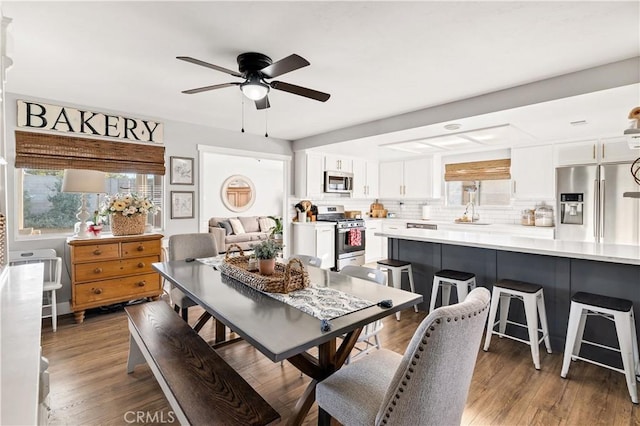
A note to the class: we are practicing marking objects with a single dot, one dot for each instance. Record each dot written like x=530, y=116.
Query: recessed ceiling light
x=578, y=123
x=452, y=126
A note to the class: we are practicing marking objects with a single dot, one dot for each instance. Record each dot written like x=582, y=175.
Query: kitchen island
x=561, y=267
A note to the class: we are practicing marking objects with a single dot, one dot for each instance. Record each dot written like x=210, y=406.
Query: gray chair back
x=431, y=384
x=198, y=245
x=308, y=260
x=362, y=272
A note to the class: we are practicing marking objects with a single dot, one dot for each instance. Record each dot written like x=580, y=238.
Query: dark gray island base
x=559, y=276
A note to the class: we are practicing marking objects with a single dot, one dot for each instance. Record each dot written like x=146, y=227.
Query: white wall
x=266, y=175
x=180, y=139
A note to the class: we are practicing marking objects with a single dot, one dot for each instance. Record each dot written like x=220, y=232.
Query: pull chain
x=266, y=122
x=242, y=130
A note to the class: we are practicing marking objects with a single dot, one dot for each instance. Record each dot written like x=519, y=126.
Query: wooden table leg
x=329, y=360
x=221, y=331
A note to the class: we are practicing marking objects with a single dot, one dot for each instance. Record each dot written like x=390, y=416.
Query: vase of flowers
x=128, y=213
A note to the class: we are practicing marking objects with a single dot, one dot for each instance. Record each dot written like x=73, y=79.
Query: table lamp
x=83, y=182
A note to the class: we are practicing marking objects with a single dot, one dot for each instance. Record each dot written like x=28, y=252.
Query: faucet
x=473, y=210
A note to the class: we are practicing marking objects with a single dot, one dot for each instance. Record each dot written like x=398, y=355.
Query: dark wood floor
x=90, y=386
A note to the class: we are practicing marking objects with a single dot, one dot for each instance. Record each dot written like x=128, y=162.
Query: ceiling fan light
x=254, y=90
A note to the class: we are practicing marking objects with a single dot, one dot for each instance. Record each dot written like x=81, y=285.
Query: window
x=46, y=210
x=481, y=192
x=485, y=183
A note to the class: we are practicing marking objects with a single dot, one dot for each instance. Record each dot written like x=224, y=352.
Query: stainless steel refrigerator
x=592, y=206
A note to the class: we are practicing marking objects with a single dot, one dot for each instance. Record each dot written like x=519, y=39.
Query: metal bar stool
x=447, y=278
x=533, y=298
x=620, y=311
x=397, y=267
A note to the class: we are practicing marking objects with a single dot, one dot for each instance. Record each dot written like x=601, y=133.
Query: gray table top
x=276, y=329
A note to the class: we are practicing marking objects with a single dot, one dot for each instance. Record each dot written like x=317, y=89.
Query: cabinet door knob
x=140, y=248
x=98, y=270
x=97, y=252
x=141, y=265
x=97, y=290
x=141, y=283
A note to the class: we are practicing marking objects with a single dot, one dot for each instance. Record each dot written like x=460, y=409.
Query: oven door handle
x=345, y=230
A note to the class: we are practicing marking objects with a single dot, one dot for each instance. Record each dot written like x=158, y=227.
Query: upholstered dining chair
x=428, y=385
x=183, y=246
x=370, y=331
x=52, y=277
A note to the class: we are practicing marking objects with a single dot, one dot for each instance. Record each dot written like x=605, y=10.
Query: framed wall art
x=182, y=204
x=181, y=170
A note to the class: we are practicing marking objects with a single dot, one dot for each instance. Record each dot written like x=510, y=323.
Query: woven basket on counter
x=128, y=225
x=286, y=278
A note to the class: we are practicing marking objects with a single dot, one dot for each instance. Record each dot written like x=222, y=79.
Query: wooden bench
x=200, y=386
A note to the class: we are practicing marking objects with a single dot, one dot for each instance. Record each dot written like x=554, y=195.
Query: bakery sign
x=37, y=115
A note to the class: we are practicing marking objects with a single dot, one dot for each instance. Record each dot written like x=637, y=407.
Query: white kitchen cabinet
x=610, y=150
x=365, y=178
x=338, y=162
x=576, y=153
x=615, y=150
x=374, y=246
x=315, y=239
x=533, y=173
x=406, y=179
x=309, y=175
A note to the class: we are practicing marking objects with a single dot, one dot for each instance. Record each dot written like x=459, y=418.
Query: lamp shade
x=84, y=181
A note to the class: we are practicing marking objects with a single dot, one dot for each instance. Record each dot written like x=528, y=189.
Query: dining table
x=281, y=331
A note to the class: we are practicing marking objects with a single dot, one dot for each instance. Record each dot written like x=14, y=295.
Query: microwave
x=341, y=182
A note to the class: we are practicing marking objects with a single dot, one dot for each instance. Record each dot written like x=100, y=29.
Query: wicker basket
x=128, y=225
x=286, y=278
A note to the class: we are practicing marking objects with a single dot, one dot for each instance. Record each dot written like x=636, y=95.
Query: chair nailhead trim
x=417, y=356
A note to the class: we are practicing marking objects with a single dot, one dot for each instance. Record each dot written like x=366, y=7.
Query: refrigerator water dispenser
x=571, y=208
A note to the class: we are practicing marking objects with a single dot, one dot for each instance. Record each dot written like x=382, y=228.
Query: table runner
x=319, y=302
x=322, y=302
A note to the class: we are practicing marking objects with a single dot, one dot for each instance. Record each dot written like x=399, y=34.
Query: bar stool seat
x=464, y=282
x=620, y=311
x=532, y=297
x=396, y=268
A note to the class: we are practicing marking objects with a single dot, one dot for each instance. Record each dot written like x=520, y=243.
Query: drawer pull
x=97, y=252
x=142, y=283
x=141, y=265
x=140, y=248
x=98, y=270
x=97, y=290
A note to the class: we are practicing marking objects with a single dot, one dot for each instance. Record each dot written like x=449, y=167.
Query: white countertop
x=20, y=324
x=615, y=253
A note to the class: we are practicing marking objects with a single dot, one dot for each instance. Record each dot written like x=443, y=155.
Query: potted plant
x=266, y=253
x=276, y=230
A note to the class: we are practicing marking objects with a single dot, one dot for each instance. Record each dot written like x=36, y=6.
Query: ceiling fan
x=256, y=68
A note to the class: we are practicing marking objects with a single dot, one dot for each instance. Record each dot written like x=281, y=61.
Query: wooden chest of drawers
x=113, y=269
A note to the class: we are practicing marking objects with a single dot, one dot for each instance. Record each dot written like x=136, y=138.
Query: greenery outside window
x=44, y=209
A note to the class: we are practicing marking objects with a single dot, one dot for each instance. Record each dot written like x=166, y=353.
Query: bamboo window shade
x=54, y=152
x=478, y=170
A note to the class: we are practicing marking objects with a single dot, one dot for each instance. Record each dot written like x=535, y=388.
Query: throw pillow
x=250, y=224
x=236, y=225
x=226, y=226
x=266, y=223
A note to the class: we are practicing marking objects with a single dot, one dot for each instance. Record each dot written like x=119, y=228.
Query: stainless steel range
x=350, y=236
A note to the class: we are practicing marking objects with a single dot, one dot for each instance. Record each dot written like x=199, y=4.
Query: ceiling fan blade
x=301, y=91
x=208, y=65
x=285, y=65
x=205, y=88
x=263, y=103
